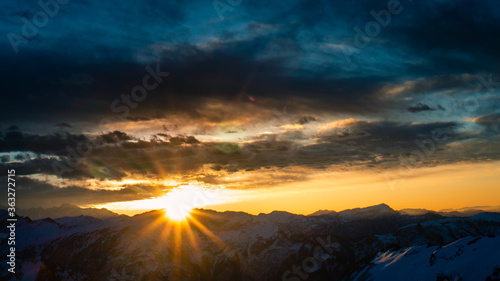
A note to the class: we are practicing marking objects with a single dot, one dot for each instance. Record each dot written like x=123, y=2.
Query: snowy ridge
x=463, y=260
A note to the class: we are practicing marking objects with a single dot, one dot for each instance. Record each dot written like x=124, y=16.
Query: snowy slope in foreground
x=461, y=260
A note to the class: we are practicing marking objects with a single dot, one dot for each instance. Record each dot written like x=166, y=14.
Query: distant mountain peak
x=371, y=211
x=380, y=208
x=65, y=210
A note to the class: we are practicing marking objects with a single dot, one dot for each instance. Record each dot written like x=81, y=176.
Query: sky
x=251, y=106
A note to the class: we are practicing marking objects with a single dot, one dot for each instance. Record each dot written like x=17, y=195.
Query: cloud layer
x=112, y=90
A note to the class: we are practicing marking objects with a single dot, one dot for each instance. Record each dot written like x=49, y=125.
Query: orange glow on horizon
x=451, y=186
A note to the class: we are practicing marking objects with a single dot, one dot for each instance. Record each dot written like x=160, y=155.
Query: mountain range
x=373, y=243
x=65, y=210
x=69, y=210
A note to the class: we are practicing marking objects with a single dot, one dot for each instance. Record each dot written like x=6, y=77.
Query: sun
x=176, y=213
x=177, y=203
x=180, y=201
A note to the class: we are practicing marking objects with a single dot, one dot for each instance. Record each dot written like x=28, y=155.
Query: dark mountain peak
x=381, y=208
x=377, y=210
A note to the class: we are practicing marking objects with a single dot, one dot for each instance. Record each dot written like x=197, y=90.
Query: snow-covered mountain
x=470, y=258
x=365, y=244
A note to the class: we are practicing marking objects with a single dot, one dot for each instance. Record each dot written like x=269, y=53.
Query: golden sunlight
x=177, y=202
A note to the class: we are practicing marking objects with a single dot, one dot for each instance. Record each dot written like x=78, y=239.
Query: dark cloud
x=419, y=107
x=16, y=140
x=35, y=192
x=449, y=35
x=4, y=158
x=491, y=122
x=56, y=143
x=63, y=125
x=306, y=119
x=115, y=137
x=196, y=75
x=116, y=156
x=82, y=84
